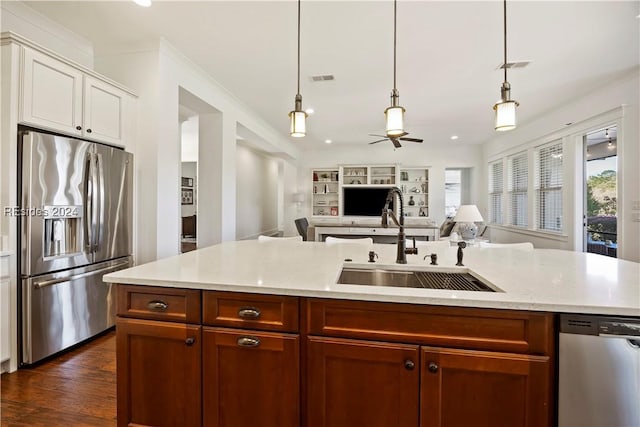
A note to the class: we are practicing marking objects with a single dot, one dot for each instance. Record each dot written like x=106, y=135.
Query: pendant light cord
x=298, y=47
x=505, y=40
x=395, y=5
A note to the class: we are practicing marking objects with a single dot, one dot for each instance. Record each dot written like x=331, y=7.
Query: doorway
x=189, y=178
x=601, y=192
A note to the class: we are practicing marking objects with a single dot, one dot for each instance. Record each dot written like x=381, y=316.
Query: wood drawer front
x=168, y=304
x=263, y=312
x=455, y=327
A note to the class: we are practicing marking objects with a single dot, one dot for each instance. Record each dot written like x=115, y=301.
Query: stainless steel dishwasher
x=599, y=371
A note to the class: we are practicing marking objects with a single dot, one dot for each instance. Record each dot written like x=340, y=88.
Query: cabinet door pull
x=433, y=367
x=409, y=365
x=157, y=305
x=249, y=313
x=189, y=341
x=248, y=342
x=88, y=130
x=78, y=127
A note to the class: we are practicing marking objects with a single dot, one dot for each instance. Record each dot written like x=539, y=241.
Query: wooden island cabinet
x=191, y=357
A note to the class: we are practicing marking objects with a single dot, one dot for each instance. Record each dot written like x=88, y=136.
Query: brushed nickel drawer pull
x=248, y=342
x=249, y=312
x=157, y=305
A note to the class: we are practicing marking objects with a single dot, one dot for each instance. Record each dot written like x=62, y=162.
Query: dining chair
x=273, y=238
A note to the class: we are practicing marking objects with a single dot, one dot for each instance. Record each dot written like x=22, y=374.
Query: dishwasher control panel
x=599, y=325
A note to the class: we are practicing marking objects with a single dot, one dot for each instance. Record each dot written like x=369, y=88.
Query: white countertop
x=539, y=280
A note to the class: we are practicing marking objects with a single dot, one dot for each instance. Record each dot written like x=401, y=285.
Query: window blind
x=548, y=187
x=495, y=192
x=518, y=184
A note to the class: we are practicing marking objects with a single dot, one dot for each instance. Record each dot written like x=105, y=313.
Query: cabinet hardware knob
x=88, y=130
x=189, y=341
x=249, y=312
x=409, y=365
x=248, y=342
x=157, y=305
x=433, y=367
x=78, y=127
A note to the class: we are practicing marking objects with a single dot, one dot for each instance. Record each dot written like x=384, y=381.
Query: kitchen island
x=253, y=330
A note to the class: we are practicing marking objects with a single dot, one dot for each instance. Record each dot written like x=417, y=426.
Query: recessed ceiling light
x=309, y=111
x=143, y=3
x=454, y=136
x=328, y=141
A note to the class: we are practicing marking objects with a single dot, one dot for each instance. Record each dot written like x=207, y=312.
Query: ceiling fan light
x=298, y=124
x=505, y=115
x=395, y=120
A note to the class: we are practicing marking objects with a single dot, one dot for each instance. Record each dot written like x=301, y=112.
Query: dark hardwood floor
x=77, y=388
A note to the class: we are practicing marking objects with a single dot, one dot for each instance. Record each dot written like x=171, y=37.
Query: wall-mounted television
x=364, y=201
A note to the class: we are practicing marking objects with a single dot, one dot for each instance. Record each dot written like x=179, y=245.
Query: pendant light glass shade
x=298, y=124
x=505, y=115
x=395, y=120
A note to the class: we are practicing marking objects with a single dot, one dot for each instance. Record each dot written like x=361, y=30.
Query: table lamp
x=465, y=218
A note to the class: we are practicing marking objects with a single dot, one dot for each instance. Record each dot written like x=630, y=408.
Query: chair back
x=302, y=224
x=528, y=246
x=273, y=238
x=363, y=241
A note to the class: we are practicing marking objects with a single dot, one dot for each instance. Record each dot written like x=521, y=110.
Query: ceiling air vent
x=322, y=77
x=514, y=64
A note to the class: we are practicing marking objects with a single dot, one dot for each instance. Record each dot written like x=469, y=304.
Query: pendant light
x=506, y=108
x=394, y=114
x=298, y=117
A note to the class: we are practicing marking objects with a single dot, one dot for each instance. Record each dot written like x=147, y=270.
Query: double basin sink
x=446, y=280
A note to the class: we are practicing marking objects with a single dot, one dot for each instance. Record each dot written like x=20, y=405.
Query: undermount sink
x=454, y=281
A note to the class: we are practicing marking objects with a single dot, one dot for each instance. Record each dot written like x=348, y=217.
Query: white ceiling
x=448, y=54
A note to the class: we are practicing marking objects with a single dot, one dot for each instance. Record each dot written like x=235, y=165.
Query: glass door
x=601, y=192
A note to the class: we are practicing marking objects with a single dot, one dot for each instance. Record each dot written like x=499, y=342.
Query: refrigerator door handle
x=45, y=283
x=88, y=202
x=95, y=207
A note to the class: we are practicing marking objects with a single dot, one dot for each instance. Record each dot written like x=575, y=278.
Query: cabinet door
x=250, y=378
x=103, y=111
x=355, y=383
x=51, y=94
x=158, y=373
x=462, y=388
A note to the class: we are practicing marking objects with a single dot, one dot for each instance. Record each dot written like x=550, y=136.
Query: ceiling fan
x=395, y=139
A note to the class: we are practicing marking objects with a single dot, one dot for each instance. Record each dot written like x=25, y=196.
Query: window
x=495, y=192
x=518, y=183
x=548, y=186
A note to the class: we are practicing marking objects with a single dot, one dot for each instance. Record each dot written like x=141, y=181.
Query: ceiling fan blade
x=380, y=140
x=395, y=141
x=411, y=139
x=375, y=134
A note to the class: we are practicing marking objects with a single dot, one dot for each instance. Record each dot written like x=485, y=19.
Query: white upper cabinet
x=52, y=94
x=103, y=110
x=59, y=97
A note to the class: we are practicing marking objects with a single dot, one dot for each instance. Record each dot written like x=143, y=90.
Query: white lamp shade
x=298, y=123
x=468, y=213
x=395, y=121
x=505, y=115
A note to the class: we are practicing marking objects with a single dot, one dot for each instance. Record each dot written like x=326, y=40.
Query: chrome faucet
x=386, y=213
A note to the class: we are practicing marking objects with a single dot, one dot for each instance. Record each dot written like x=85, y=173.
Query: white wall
x=159, y=145
x=615, y=102
x=436, y=157
x=256, y=193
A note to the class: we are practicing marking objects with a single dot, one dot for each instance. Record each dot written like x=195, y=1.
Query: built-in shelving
x=414, y=184
x=326, y=192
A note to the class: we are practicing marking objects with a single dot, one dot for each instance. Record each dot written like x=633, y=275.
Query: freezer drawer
x=65, y=308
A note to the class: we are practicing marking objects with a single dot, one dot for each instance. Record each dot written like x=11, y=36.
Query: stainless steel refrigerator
x=75, y=226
